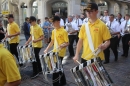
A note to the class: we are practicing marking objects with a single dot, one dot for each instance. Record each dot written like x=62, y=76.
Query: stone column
x=28, y=10
x=128, y=8
x=111, y=7
x=20, y=16
x=74, y=7
x=0, y=5
x=16, y=14
x=41, y=9
x=122, y=9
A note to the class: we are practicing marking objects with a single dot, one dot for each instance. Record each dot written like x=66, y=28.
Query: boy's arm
x=29, y=40
x=36, y=40
x=15, y=83
x=18, y=33
x=49, y=46
x=78, y=49
x=64, y=45
x=6, y=36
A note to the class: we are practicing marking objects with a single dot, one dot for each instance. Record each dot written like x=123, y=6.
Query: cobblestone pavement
x=119, y=72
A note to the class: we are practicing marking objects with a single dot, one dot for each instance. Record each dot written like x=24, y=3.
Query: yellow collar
x=59, y=29
x=11, y=23
x=97, y=21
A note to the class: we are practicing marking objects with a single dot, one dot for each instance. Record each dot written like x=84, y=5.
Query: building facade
x=46, y=8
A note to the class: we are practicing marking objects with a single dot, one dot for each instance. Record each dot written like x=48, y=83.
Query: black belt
x=113, y=36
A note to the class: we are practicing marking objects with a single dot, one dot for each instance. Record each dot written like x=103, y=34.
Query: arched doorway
x=116, y=9
x=61, y=7
x=34, y=8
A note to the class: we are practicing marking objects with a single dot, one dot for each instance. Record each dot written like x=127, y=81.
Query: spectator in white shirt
x=119, y=18
x=125, y=35
x=115, y=32
x=79, y=23
x=85, y=20
x=61, y=20
x=72, y=29
x=74, y=18
x=106, y=16
x=82, y=17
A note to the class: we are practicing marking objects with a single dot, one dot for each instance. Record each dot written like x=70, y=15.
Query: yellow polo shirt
x=37, y=32
x=99, y=33
x=12, y=29
x=8, y=68
x=61, y=37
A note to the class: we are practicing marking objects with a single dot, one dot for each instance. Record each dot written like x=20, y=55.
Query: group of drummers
x=105, y=33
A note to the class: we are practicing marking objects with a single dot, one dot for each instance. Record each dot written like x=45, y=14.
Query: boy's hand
x=34, y=41
x=45, y=51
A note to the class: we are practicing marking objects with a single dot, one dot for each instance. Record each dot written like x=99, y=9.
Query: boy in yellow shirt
x=99, y=34
x=60, y=39
x=12, y=34
x=36, y=38
x=9, y=73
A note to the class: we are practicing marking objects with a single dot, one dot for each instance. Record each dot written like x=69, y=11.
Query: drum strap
x=55, y=41
x=90, y=42
x=32, y=33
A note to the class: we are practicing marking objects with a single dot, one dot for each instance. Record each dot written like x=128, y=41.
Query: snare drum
x=51, y=63
x=91, y=73
x=26, y=54
x=6, y=44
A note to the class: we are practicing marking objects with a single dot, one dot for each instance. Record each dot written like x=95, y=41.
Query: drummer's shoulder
x=102, y=23
x=53, y=30
x=64, y=30
x=5, y=54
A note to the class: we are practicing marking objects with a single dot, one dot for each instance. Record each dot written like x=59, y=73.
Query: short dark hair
x=38, y=20
x=46, y=17
x=120, y=14
x=56, y=18
x=26, y=18
x=10, y=16
x=127, y=15
x=32, y=18
x=112, y=15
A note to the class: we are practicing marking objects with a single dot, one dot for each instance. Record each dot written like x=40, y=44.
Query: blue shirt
x=46, y=23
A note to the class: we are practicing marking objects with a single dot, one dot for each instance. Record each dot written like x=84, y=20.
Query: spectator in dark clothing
x=2, y=33
x=26, y=28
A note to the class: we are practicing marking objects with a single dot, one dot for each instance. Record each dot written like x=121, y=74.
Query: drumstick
x=78, y=62
x=56, y=48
